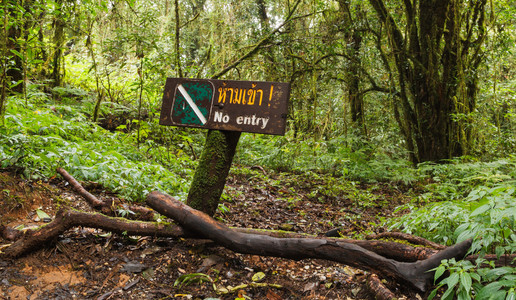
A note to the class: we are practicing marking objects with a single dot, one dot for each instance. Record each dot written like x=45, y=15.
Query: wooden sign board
x=250, y=106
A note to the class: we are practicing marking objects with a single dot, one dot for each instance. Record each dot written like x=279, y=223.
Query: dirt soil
x=87, y=263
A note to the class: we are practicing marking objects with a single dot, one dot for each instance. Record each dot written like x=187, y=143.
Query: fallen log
x=66, y=219
x=415, y=240
x=388, y=249
x=415, y=274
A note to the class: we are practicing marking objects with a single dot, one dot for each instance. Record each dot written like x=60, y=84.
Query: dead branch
x=416, y=240
x=105, y=207
x=66, y=219
x=399, y=252
x=91, y=199
x=8, y=233
x=414, y=274
x=388, y=249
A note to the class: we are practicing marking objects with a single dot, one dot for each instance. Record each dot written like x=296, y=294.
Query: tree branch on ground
x=106, y=207
x=415, y=274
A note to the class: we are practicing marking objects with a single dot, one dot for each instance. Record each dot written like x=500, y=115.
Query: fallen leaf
x=258, y=277
x=310, y=286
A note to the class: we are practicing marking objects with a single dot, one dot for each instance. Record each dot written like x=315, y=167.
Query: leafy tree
x=436, y=49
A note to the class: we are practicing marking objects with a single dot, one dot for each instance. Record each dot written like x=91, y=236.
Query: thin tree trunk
x=15, y=73
x=3, y=62
x=178, y=31
x=59, y=26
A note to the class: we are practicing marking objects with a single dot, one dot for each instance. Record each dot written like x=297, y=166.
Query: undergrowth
x=340, y=157
x=474, y=201
x=38, y=138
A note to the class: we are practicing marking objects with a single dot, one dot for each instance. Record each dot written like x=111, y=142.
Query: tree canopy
x=418, y=74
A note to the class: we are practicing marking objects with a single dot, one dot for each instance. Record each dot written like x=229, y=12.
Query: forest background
x=419, y=93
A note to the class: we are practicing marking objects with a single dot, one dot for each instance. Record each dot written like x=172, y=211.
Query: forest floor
x=88, y=263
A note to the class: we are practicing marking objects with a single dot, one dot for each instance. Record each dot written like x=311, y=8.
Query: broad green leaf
x=452, y=280
x=42, y=215
x=465, y=281
x=438, y=272
x=482, y=209
x=448, y=294
x=487, y=291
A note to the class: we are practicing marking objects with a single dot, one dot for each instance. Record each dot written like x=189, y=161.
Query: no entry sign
x=250, y=106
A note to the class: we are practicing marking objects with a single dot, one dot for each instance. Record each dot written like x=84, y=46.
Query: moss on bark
x=211, y=173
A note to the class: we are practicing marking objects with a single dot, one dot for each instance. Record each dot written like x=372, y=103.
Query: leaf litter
x=91, y=264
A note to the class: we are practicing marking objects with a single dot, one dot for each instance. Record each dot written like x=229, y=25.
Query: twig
x=92, y=200
x=66, y=219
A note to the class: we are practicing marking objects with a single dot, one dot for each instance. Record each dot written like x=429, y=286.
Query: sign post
x=227, y=108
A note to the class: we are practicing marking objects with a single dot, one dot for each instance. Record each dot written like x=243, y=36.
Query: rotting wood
x=388, y=249
x=416, y=240
x=399, y=252
x=415, y=274
x=380, y=291
x=8, y=233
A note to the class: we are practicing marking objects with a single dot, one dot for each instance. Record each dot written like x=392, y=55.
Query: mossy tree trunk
x=436, y=56
x=211, y=173
x=58, y=39
x=353, y=37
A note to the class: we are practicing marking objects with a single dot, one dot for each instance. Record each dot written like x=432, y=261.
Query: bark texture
x=436, y=50
x=211, y=173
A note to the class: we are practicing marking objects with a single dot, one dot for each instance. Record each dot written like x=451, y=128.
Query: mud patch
x=45, y=281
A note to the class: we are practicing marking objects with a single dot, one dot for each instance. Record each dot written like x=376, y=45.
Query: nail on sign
x=250, y=106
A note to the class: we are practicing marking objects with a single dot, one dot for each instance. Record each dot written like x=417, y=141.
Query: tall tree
x=58, y=24
x=14, y=25
x=436, y=48
x=351, y=16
